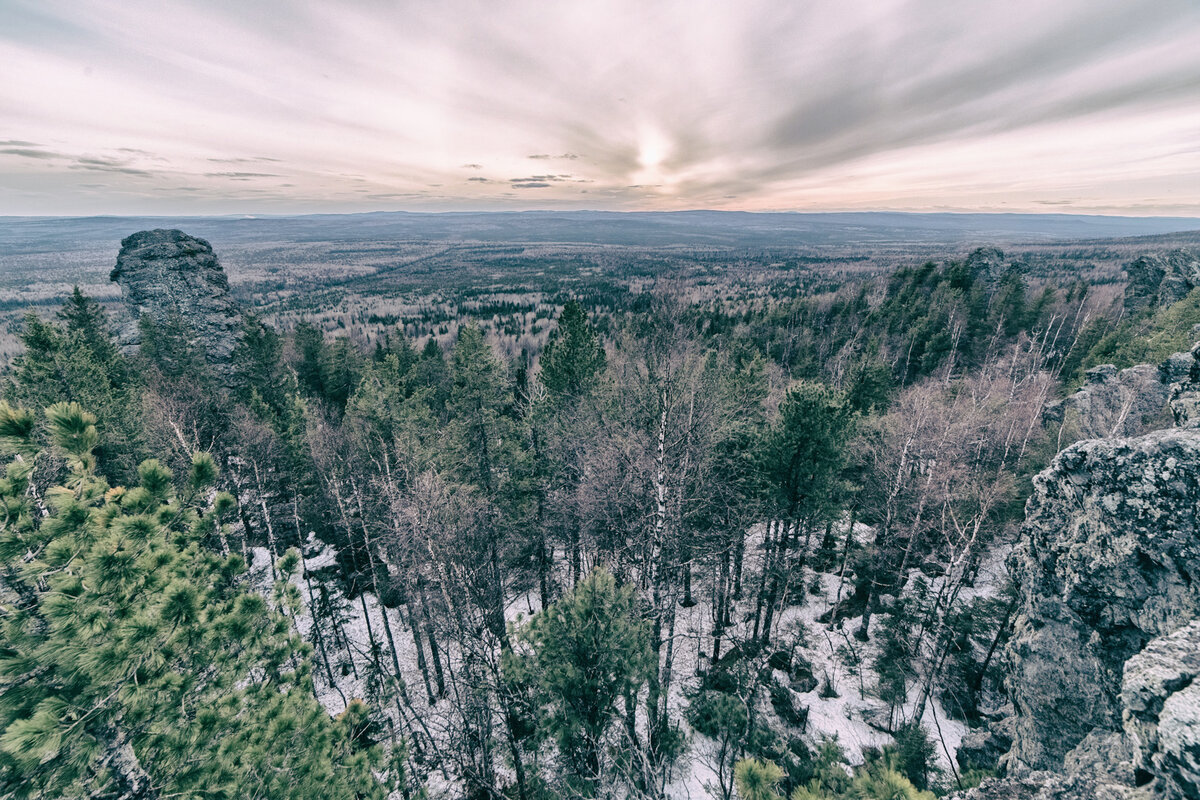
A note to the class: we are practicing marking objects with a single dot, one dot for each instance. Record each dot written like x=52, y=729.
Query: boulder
x=167, y=275
x=1162, y=712
x=801, y=676
x=988, y=265
x=1102, y=754
x=1105, y=564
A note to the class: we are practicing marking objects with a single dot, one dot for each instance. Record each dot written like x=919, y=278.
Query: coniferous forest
x=751, y=551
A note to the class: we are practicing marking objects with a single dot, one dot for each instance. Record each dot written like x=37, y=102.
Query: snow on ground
x=844, y=716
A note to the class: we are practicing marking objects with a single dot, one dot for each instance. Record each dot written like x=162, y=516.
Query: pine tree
x=756, y=780
x=340, y=372
x=483, y=450
x=588, y=651
x=803, y=459
x=133, y=662
x=257, y=364
x=77, y=360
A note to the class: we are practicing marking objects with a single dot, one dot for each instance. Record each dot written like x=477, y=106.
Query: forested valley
x=704, y=548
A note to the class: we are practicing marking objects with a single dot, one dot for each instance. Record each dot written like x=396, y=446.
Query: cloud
x=26, y=152
x=252, y=160
x=760, y=104
x=241, y=176
x=104, y=164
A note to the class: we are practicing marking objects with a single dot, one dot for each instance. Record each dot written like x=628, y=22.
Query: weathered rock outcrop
x=983, y=747
x=1185, y=389
x=166, y=274
x=1109, y=560
x=1162, y=712
x=1160, y=279
x=988, y=265
x=1049, y=786
x=1114, y=402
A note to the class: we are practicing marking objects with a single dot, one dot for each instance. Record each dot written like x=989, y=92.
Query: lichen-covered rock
x=167, y=274
x=983, y=747
x=1162, y=712
x=1050, y=786
x=1102, y=754
x=1106, y=562
x=1160, y=279
x=1184, y=371
x=1114, y=402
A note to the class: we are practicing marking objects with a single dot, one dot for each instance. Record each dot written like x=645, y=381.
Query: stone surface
x=1049, y=786
x=167, y=273
x=1104, y=755
x=1160, y=279
x=1106, y=561
x=983, y=747
x=1184, y=370
x=1162, y=712
x=1114, y=402
x=988, y=265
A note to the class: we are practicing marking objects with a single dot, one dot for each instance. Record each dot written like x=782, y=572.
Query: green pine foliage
x=134, y=659
x=1150, y=338
x=75, y=359
x=585, y=654
x=573, y=356
x=757, y=780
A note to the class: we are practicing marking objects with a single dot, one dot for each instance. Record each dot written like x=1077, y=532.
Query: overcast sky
x=278, y=106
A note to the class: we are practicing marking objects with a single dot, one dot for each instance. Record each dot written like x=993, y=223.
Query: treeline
x=686, y=458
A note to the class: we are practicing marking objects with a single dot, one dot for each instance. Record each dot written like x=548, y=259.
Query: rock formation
x=165, y=275
x=988, y=265
x=1113, y=402
x=1185, y=390
x=1161, y=279
x=1126, y=402
x=1162, y=712
x=1105, y=649
x=1109, y=549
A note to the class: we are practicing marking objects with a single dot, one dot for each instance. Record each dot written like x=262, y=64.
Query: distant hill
x=689, y=228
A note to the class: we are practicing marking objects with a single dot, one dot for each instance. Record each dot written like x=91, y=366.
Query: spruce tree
x=573, y=356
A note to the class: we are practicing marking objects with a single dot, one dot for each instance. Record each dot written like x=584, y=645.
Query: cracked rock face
x=164, y=273
x=1109, y=560
x=1162, y=712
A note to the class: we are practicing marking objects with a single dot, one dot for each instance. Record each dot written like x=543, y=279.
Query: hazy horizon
x=267, y=107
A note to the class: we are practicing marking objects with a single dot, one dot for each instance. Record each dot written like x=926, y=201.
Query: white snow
x=842, y=717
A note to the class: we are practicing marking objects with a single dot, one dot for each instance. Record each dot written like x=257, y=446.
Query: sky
x=295, y=106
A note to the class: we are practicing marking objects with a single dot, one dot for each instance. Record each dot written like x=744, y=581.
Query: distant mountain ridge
x=739, y=229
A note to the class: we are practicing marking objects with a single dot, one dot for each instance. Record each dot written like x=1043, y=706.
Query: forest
x=693, y=545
